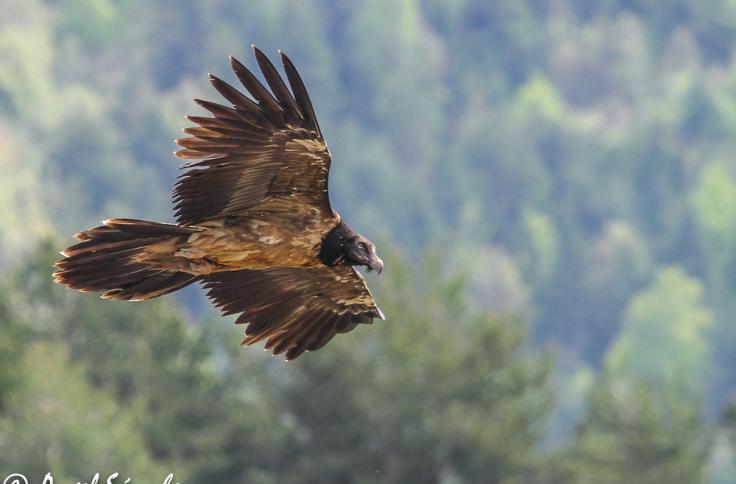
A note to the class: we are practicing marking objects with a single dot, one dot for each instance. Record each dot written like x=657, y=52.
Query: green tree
x=57, y=422
x=617, y=266
x=713, y=203
x=664, y=334
x=12, y=342
x=637, y=432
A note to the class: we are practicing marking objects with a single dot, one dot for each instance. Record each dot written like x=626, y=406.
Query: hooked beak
x=376, y=264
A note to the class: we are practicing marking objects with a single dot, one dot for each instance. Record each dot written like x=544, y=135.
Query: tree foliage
x=636, y=433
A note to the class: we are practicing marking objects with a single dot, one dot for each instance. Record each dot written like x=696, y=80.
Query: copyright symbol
x=15, y=479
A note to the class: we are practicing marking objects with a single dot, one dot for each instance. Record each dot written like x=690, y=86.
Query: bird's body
x=254, y=224
x=245, y=243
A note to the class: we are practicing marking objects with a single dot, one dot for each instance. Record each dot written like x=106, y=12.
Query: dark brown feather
x=213, y=123
x=284, y=97
x=254, y=87
x=300, y=93
x=238, y=99
x=220, y=111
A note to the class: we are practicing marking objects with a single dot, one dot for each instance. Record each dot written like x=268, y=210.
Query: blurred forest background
x=551, y=182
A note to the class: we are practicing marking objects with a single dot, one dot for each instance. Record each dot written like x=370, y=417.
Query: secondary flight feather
x=254, y=223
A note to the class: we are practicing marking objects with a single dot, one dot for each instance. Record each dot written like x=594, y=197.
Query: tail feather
x=105, y=260
x=154, y=285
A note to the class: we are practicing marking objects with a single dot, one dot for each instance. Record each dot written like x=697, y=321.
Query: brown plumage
x=253, y=224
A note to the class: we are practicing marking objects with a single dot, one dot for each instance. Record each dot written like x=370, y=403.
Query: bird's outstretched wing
x=265, y=148
x=294, y=309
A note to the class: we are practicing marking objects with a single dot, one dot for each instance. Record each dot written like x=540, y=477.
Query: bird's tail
x=108, y=259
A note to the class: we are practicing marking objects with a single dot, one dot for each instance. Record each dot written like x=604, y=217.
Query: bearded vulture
x=254, y=224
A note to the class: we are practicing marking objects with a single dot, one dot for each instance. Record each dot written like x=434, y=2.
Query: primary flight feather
x=253, y=224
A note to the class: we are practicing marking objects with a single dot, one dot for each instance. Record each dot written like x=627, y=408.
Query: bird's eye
x=362, y=246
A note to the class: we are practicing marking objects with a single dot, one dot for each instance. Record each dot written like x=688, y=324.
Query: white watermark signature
x=113, y=478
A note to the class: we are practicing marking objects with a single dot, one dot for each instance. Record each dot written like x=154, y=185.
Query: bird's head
x=359, y=251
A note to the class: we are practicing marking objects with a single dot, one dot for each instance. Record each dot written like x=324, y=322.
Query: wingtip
x=236, y=65
x=258, y=52
x=380, y=314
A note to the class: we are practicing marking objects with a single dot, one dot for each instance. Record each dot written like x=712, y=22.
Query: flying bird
x=254, y=224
